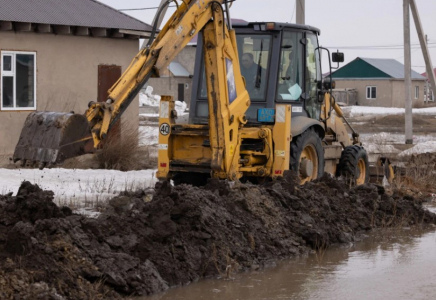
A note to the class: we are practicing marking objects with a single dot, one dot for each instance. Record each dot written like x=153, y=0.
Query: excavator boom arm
x=190, y=17
x=46, y=136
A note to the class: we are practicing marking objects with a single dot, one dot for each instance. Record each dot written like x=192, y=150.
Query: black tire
x=307, y=140
x=353, y=162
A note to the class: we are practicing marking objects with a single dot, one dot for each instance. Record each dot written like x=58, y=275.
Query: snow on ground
x=148, y=136
x=147, y=98
x=78, y=188
x=149, y=115
x=355, y=111
x=385, y=138
x=380, y=149
x=384, y=143
x=426, y=147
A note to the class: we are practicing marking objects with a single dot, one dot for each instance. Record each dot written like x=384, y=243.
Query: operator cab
x=290, y=50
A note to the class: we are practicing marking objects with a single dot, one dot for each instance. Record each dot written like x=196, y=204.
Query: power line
x=410, y=53
x=145, y=8
x=293, y=11
x=379, y=47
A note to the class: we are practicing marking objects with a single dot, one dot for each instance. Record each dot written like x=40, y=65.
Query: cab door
x=290, y=85
x=313, y=75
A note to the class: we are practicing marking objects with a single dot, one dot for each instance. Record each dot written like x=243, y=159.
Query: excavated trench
x=185, y=233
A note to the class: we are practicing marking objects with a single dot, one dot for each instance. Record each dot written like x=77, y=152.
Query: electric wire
x=293, y=11
x=144, y=8
x=381, y=47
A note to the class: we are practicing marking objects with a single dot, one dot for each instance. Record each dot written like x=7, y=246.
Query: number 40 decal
x=164, y=129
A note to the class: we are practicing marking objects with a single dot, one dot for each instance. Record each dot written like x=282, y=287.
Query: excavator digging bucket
x=49, y=138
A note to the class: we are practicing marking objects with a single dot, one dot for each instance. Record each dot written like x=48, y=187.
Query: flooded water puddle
x=388, y=264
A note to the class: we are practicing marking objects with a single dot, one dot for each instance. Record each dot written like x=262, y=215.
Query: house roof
x=374, y=68
x=425, y=73
x=178, y=70
x=86, y=13
x=390, y=66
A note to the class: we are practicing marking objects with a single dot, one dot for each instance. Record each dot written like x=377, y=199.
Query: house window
x=416, y=92
x=18, y=80
x=371, y=92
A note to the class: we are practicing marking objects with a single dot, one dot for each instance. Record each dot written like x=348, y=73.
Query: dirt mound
x=30, y=205
x=398, y=120
x=416, y=174
x=185, y=233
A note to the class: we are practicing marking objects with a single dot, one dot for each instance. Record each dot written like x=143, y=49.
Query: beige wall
x=398, y=92
x=390, y=92
x=67, y=75
x=187, y=58
x=384, y=91
x=167, y=85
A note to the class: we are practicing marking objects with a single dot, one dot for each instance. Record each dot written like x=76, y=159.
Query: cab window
x=254, y=53
x=313, y=75
x=254, y=57
x=290, y=79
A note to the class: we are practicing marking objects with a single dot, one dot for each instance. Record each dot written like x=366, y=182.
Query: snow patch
x=380, y=148
x=426, y=147
x=146, y=98
x=78, y=188
x=148, y=136
x=355, y=111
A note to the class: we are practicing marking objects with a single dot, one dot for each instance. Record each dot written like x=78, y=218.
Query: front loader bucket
x=49, y=138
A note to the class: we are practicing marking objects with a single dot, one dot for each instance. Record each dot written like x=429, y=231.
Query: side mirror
x=338, y=57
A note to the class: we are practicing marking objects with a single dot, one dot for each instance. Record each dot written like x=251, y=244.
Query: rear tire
x=354, y=165
x=307, y=156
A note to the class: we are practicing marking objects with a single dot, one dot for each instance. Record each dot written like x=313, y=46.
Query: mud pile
x=185, y=233
x=416, y=174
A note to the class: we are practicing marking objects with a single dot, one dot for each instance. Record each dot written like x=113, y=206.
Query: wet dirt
x=395, y=123
x=141, y=247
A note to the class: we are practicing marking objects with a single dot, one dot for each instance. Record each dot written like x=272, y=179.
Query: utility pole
x=426, y=76
x=159, y=22
x=407, y=74
x=422, y=41
x=301, y=11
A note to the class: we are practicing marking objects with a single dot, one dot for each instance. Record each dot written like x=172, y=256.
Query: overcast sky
x=358, y=24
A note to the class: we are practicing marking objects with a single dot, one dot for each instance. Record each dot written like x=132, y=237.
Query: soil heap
x=185, y=233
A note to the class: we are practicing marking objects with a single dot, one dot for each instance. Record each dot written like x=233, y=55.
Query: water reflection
x=394, y=264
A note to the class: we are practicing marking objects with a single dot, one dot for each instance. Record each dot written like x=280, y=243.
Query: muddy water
x=393, y=264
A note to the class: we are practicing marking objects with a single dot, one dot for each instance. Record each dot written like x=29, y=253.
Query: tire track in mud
x=185, y=233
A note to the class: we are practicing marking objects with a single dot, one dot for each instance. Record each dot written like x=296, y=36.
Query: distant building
x=430, y=95
x=378, y=82
x=177, y=80
x=58, y=56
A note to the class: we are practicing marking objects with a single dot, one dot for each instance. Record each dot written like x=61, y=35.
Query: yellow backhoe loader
x=259, y=107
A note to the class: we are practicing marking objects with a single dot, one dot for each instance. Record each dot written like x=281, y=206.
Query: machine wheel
x=354, y=164
x=307, y=156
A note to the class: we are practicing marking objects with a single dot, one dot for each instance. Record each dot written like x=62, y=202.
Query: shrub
x=120, y=151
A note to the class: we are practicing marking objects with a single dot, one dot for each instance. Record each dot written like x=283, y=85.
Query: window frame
x=302, y=51
x=13, y=74
x=416, y=91
x=202, y=79
x=370, y=92
x=270, y=36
